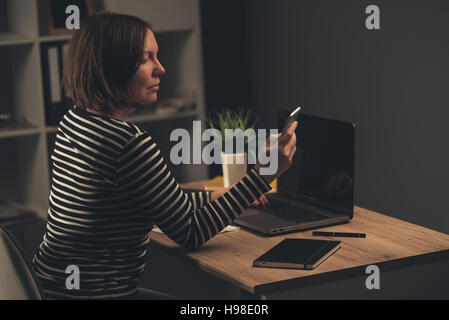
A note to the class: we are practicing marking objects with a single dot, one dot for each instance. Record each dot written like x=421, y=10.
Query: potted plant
x=234, y=164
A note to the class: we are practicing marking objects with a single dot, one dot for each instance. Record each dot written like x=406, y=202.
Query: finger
x=292, y=153
x=290, y=145
x=292, y=142
x=289, y=133
x=266, y=202
x=272, y=140
x=292, y=128
x=263, y=200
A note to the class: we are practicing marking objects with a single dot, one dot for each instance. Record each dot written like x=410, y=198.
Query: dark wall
x=226, y=57
x=225, y=51
x=393, y=82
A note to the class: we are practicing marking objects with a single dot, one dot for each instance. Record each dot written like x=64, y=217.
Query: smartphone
x=291, y=118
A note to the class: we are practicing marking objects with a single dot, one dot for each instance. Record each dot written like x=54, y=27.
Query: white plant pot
x=234, y=167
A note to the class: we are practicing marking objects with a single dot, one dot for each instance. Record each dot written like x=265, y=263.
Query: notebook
x=297, y=254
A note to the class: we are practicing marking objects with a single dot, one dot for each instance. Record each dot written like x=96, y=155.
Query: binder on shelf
x=54, y=75
x=57, y=102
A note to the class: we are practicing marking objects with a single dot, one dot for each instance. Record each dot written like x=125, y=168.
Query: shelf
x=25, y=165
x=10, y=39
x=19, y=133
x=23, y=168
x=51, y=129
x=51, y=38
x=20, y=88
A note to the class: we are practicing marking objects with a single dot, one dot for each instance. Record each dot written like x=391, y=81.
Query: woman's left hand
x=262, y=201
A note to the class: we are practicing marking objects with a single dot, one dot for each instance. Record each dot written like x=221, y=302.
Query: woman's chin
x=149, y=100
x=152, y=98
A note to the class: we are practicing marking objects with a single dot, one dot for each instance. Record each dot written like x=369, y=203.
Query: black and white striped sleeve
x=198, y=199
x=143, y=175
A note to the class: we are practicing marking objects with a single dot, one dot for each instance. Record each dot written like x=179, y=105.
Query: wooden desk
x=390, y=243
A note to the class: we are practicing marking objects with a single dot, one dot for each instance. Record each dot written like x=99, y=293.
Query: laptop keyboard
x=286, y=211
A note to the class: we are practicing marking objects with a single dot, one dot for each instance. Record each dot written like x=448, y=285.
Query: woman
x=110, y=183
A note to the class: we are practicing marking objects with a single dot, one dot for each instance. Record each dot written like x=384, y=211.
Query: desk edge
x=345, y=273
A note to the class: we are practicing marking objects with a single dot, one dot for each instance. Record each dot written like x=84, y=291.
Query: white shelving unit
x=25, y=173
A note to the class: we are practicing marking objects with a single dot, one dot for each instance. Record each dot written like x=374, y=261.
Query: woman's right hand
x=285, y=149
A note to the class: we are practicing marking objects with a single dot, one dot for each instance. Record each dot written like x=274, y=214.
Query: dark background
x=393, y=83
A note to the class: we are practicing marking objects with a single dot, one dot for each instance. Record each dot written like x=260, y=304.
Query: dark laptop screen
x=322, y=172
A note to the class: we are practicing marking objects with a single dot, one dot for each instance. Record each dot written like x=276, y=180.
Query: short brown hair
x=103, y=56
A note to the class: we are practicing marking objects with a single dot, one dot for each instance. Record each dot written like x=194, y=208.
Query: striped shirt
x=110, y=187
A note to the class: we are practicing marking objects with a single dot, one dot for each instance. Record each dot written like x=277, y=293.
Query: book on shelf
x=57, y=101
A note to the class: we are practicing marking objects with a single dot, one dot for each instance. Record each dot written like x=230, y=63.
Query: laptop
x=318, y=189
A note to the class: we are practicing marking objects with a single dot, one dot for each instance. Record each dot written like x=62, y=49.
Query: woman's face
x=144, y=85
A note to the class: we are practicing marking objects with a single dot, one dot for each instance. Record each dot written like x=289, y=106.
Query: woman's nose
x=160, y=69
